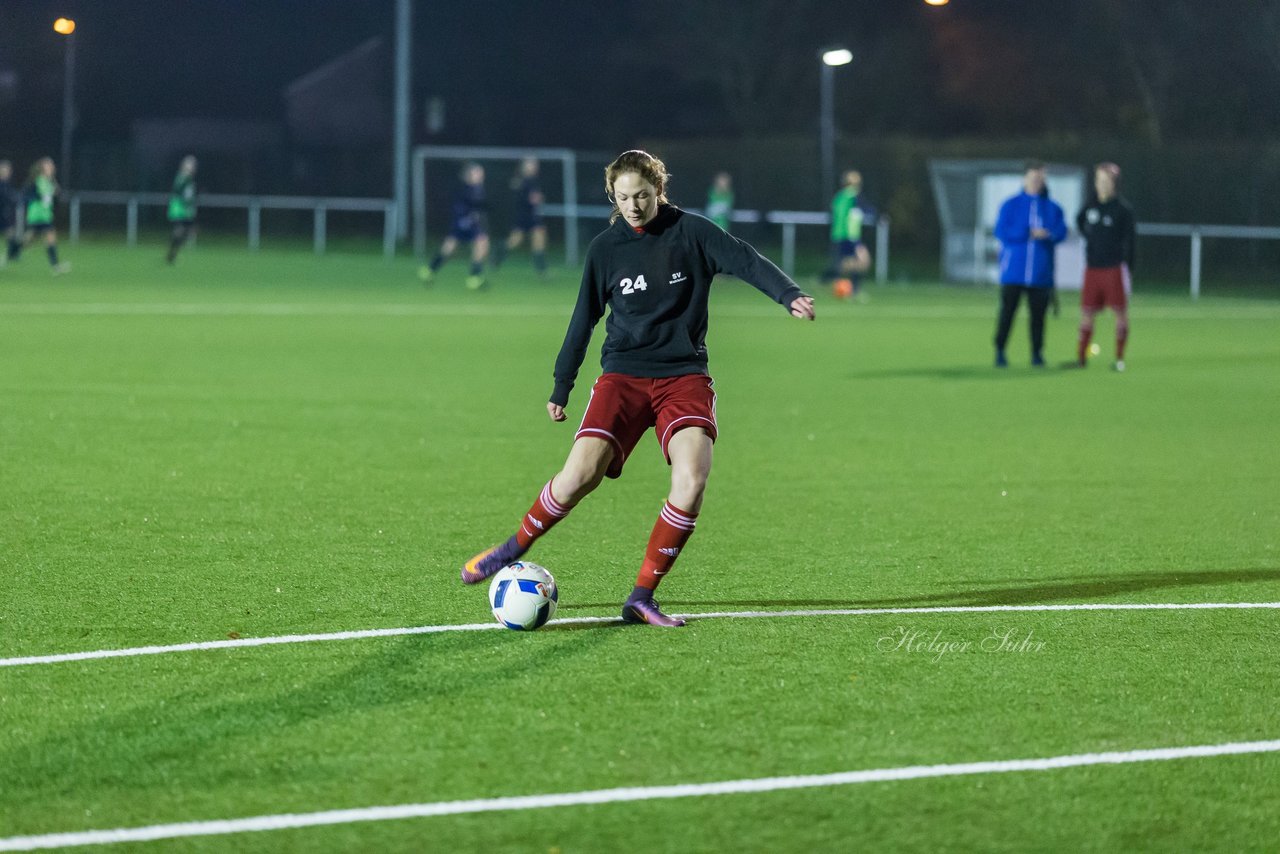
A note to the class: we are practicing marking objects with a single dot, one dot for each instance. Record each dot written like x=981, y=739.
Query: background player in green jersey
x=720, y=200
x=850, y=257
x=182, y=206
x=41, y=191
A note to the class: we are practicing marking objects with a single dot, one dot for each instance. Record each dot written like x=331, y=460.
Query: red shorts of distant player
x=623, y=408
x=1105, y=287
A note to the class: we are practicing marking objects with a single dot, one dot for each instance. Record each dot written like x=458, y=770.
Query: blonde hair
x=643, y=164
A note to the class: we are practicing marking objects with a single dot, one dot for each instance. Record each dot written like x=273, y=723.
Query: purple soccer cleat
x=490, y=561
x=647, y=611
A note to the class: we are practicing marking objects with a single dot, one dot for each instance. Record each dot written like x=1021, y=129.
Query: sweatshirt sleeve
x=727, y=254
x=1010, y=227
x=586, y=314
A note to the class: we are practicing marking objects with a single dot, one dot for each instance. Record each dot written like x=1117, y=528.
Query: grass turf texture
x=273, y=443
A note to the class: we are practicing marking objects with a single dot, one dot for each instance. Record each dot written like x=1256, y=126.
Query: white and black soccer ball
x=523, y=596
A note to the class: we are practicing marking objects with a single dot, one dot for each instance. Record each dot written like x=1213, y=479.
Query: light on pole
x=831, y=58
x=67, y=27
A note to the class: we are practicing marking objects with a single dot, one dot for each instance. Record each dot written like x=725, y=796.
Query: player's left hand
x=802, y=307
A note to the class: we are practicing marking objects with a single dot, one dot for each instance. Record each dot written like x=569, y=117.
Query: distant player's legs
x=446, y=249
x=181, y=231
x=1087, y=316
x=479, y=254
x=51, y=249
x=538, y=243
x=1009, y=297
x=853, y=266
x=501, y=251
x=1038, y=300
x=1122, y=336
x=583, y=471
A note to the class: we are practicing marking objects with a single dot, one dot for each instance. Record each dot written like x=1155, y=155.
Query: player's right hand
x=556, y=411
x=802, y=307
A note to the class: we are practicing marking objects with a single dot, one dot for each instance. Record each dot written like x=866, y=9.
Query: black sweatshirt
x=656, y=284
x=1109, y=231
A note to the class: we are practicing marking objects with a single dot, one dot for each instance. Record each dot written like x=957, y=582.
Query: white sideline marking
x=609, y=796
x=272, y=640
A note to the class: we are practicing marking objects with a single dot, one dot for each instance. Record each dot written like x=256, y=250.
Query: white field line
x=272, y=640
x=609, y=796
x=1252, y=312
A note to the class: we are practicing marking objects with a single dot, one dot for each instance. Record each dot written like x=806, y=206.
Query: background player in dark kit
x=1106, y=221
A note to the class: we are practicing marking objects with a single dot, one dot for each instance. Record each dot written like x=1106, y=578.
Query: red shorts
x=622, y=408
x=1105, y=287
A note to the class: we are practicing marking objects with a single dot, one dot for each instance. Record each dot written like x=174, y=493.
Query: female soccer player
x=652, y=268
x=182, y=206
x=1107, y=223
x=719, y=207
x=850, y=256
x=40, y=193
x=470, y=225
x=528, y=217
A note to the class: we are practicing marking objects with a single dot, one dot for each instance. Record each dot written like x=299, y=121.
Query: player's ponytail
x=643, y=164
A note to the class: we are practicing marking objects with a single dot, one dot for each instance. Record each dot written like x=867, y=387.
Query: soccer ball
x=523, y=596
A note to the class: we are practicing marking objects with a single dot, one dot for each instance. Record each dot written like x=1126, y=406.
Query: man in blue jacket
x=1029, y=226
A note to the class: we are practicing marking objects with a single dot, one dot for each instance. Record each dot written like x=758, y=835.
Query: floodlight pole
x=68, y=107
x=404, y=21
x=827, y=128
x=831, y=57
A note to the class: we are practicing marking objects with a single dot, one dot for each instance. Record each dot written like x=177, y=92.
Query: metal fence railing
x=1197, y=234
x=788, y=221
x=253, y=207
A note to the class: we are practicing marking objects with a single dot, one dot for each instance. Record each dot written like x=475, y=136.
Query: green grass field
x=253, y=445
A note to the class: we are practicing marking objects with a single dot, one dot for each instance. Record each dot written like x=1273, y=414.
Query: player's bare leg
x=51, y=248
x=479, y=253
x=583, y=471
x=1087, y=319
x=428, y=271
x=538, y=243
x=1122, y=336
x=690, y=451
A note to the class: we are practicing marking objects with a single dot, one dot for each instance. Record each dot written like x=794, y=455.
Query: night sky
x=601, y=75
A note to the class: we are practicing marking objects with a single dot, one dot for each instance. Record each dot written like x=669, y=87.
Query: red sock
x=544, y=513
x=1082, y=346
x=1122, y=338
x=670, y=533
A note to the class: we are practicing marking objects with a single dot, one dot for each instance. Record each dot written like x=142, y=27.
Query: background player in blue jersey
x=469, y=223
x=528, y=217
